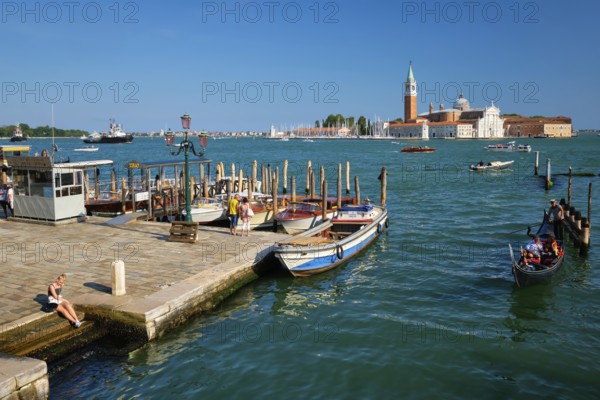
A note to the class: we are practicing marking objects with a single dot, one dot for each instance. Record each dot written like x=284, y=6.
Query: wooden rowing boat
x=529, y=273
x=333, y=242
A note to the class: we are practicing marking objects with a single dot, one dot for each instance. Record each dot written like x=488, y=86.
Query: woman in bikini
x=62, y=305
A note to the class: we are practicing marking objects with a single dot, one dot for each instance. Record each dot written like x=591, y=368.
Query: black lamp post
x=187, y=146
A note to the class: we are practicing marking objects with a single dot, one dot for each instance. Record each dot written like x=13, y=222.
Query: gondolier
x=555, y=216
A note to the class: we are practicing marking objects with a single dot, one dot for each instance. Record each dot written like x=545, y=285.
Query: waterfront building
x=459, y=122
x=553, y=127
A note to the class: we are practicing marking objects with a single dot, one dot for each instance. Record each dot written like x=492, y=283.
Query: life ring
x=339, y=252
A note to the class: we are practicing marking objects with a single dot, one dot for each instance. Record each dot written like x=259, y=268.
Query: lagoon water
x=430, y=310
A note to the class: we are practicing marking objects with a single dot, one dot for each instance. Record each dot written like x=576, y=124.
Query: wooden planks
x=184, y=231
x=305, y=241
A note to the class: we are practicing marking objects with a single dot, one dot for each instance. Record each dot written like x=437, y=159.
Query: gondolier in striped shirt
x=555, y=217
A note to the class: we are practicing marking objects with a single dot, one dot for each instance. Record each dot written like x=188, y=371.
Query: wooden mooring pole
x=293, y=188
x=339, y=187
x=383, y=179
x=347, y=178
x=548, y=175
x=254, y=167
x=537, y=163
x=357, y=189
x=250, y=189
x=570, y=189
x=577, y=226
x=324, y=200
x=321, y=177
x=308, y=177
x=285, y=168
x=275, y=189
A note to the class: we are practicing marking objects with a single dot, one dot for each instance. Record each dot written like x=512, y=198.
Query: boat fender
x=339, y=252
x=387, y=223
x=380, y=227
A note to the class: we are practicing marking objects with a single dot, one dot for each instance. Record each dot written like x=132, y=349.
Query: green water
x=430, y=310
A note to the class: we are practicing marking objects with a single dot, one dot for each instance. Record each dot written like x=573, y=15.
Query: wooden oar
x=519, y=230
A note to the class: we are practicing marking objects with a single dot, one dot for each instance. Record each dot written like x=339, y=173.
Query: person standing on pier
x=7, y=200
x=555, y=216
x=62, y=305
x=244, y=215
x=233, y=214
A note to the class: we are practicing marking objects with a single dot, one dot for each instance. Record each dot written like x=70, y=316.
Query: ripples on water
x=428, y=311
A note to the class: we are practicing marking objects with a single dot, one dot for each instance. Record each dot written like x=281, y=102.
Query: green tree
x=362, y=125
x=317, y=124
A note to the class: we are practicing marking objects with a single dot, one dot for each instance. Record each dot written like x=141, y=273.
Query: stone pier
x=166, y=282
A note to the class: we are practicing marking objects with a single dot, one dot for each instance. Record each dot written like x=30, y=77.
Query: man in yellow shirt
x=233, y=214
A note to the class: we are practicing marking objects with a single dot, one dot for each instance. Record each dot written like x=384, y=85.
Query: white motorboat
x=333, y=242
x=494, y=165
x=86, y=148
x=206, y=210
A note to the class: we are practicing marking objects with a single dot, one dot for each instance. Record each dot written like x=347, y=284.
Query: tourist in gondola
x=551, y=247
x=555, y=216
x=533, y=250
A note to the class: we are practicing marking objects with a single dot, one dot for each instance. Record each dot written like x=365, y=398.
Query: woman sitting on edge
x=63, y=306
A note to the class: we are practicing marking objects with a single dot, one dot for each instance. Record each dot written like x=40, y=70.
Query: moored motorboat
x=526, y=271
x=205, y=210
x=333, y=242
x=302, y=215
x=491, y=166
x=418, y=149
x=86, y=148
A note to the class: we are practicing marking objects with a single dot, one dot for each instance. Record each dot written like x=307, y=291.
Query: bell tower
x=410, y=96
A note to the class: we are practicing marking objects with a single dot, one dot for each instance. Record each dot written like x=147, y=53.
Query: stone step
x=49, y=337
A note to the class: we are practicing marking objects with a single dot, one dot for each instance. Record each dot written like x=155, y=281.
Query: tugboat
x=115, y=135
x=17, y=135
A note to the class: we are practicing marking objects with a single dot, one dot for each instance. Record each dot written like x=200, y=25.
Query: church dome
x=461, y=103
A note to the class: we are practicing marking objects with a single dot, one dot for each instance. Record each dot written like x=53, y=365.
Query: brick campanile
x=410, y=96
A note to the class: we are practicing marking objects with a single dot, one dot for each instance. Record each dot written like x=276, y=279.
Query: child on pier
x=62, y=305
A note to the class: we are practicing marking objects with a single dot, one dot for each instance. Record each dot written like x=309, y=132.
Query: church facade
x=459, y=122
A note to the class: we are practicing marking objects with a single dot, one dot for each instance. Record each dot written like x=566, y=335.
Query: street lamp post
x=187, y=146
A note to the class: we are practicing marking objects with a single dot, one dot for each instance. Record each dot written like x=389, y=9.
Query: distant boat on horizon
x=115, y=135
x=17, y=135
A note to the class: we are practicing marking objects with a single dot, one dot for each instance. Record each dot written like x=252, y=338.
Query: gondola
x=534, y=272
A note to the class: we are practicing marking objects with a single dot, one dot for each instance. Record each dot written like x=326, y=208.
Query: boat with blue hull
x=333, y=242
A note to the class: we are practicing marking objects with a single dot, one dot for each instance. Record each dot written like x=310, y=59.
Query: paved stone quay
x=165, y=281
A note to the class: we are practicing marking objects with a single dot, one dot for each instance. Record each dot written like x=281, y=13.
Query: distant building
x=341, y=131
x=459, y=122
x=554, y=127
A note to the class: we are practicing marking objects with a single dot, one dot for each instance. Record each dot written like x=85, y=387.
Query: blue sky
x=247, y=65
